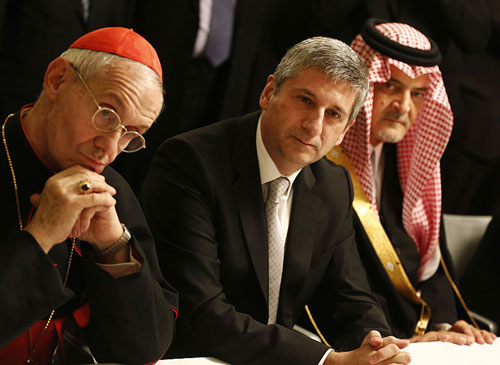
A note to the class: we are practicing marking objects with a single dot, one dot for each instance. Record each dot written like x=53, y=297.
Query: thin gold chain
x=30, y=360
x=457, y=292
x=14, y=181
x=316, y=328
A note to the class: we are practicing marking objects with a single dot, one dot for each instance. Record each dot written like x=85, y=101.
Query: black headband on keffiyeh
x=386, y=46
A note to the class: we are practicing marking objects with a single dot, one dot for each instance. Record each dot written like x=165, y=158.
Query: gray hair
x=331, y=57
x=94, y=64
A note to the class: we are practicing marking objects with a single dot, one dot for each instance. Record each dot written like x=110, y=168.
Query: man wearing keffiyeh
x=394, y=149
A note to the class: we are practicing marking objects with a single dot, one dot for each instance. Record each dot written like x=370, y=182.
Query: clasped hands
x=373, y=350
x=64, y=210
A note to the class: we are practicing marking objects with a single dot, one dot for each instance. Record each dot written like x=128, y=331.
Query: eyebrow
x=310, y=93
x=396, y=81
x=117, y=103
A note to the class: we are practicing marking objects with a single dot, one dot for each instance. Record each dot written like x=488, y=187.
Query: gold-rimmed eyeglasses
x=106, y=120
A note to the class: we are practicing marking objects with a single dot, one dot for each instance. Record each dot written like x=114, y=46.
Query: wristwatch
x=116, y=246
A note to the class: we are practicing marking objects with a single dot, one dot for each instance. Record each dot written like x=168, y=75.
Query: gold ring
x=84, y=187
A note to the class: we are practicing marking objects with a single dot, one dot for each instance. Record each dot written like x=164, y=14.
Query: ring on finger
x=84, y=187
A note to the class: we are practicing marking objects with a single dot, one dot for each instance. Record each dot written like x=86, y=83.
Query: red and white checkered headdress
x=420, y=150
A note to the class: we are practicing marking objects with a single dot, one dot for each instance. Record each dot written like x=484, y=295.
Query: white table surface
x=446, y=353
x=429, y=353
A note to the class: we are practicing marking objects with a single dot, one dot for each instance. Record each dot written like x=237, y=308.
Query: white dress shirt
x=377, y=169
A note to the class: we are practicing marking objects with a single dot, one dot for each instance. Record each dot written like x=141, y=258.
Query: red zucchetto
x=122, y=42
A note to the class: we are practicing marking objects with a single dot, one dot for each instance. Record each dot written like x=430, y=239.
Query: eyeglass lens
x=130, y=142
x=106, y=120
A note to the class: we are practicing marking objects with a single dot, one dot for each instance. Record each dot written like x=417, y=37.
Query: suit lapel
x=300, y=242
x=248, y=193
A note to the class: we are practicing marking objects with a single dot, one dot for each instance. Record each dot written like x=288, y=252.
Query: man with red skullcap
x=393, y=152
x=79, y=264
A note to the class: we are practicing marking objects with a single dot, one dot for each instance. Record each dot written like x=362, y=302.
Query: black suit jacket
x=203, y=199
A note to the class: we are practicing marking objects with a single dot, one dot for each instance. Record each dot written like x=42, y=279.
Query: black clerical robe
x=131, y=318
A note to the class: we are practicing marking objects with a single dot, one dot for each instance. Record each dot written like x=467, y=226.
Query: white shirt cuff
x=322, y=361
x=124, y=268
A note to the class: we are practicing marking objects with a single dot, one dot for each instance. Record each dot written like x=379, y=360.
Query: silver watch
x=116, y=246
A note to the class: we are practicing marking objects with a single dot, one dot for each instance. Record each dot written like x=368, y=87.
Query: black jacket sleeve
x=132, y=317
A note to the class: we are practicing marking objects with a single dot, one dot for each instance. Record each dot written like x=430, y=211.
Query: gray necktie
x=218, y=45
x=276, y=243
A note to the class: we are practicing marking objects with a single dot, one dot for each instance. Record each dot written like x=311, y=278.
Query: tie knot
x=277, y=189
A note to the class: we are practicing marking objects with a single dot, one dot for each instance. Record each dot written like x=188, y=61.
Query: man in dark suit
x=246, y=259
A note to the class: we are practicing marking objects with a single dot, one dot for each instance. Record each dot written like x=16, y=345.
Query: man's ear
x=267, y=93
x=57, y=75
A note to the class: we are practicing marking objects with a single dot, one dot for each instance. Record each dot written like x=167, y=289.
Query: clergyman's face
x=74, y=140
x=396, y=104
x=305, y=118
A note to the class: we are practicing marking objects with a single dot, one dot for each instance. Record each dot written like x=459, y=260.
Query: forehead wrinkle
x=325, y=88
x=305, y=90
